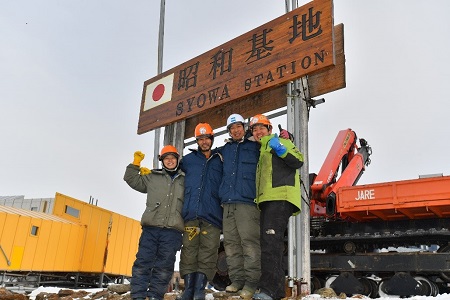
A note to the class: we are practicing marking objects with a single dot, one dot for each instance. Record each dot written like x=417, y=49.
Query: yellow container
x=111, y=239
x=34, y=241
x=77, y=237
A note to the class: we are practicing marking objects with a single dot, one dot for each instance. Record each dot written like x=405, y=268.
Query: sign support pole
x=173, y=133
x=162, y=12
x=299, y=227
x=303, y=224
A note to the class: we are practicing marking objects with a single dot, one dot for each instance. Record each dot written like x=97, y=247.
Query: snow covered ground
x=35, y=292
x=439, y=297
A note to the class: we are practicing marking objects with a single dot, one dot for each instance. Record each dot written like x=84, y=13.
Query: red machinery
x=377, y=239
x=352, y=160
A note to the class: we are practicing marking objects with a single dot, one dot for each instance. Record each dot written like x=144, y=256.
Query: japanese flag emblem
x=158, y=92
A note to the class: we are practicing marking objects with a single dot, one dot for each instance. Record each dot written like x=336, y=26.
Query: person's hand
x=138, y=157
x=144, y=171
x=284, y=134
x=277, y=146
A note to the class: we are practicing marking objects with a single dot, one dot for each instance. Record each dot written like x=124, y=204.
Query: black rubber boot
x=199, y=287
x=189, y=282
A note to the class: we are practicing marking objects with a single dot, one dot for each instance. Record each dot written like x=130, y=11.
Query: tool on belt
x=193, y=231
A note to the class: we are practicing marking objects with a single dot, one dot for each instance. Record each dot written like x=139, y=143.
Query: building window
x=72, y=211
x=34, y=230
x=34, y=208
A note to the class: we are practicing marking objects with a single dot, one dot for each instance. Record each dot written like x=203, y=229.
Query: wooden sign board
x=298, y=43
x=320, y=83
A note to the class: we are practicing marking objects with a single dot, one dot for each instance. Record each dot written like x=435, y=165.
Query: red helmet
x=168, y=149
x=260, y=119
x=203, y=130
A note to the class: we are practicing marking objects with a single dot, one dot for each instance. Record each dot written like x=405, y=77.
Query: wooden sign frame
x=320, y=83
x=291, y=46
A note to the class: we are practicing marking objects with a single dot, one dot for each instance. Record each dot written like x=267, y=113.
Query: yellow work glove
x=138, y=157
x=145, y=171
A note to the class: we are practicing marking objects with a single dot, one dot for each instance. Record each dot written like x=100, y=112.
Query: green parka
x=164, y=196
x=278, y=178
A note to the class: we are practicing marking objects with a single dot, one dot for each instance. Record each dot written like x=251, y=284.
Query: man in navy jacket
x=240, y=215
x=202, y=214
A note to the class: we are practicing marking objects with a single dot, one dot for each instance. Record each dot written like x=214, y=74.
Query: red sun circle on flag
x=158, y=92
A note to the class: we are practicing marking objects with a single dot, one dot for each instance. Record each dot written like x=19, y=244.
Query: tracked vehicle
x=378, y=239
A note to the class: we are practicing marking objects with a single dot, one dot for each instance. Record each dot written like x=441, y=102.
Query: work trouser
x=201, y=242
x=274, y=220
x=241, y=240
x=153, y=268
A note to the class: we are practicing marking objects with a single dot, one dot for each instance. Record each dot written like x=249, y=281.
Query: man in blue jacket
x=202, y=214
x=240, y=215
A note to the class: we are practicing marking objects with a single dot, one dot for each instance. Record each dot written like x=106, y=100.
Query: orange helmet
x=168, y=149
x=203, y=130
x=260, y=119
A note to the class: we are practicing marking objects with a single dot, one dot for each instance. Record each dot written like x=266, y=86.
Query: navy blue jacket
x=201, y=187
x=239, y=172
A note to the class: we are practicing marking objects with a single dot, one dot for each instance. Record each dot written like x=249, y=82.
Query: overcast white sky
x=72, y=72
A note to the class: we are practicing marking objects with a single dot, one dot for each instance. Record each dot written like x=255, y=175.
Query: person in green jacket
x=278, y=198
